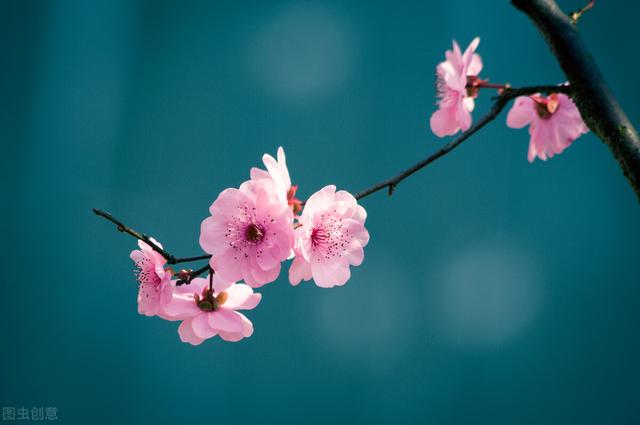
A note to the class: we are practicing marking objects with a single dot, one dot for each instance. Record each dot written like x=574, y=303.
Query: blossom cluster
x=250, y=232
x=255, y=228
x=554, y=121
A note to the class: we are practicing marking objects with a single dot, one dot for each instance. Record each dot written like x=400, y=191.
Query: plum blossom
x=330, y=237
x=455, y=99
x=249, y=232
x=154, y=282
x=206, y=312
x=554, y=123
x=278, y=172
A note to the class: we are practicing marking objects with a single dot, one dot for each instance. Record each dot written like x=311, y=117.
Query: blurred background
x=493, y=291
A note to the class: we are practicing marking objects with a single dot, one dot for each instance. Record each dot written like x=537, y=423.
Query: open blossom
x=554, y=123
x=455, y=100
x=154, y=282
x=249, y=232
x=278, y=172
x=330, y=238
x=206, y=313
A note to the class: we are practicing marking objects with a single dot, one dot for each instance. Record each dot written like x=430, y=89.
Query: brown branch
x=597, y=104
x=171, y=259
x=501, y=101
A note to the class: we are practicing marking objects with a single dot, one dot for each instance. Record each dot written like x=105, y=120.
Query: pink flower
x=330, y=238
x=279, y=173
x=249, y=233
x=207, y=313
x=155, y=286
x=455, y=101
x=555, y=123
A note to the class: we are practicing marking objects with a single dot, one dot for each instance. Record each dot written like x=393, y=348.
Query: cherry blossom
x=455, y=99
x=330, y=237
x=554, y=123
x=278, y=172
x=249, y=232
x=154, y=282
x=209, y=310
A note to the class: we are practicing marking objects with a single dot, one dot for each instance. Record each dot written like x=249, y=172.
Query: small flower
x=207, y=312
x=249, y=232
x=154, y=282
x=330, y=237
x=455, y=99
x=554, y=123
x=278, y=172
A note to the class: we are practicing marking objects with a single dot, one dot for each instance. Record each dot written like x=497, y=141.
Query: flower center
x=209, y=302
x=319, y=236
x=473, y=85
x=545, y=107
x=441, y=87
x=254, y=233
x=146, y=274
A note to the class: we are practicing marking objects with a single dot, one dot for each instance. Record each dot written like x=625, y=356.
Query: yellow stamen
x=222, y=297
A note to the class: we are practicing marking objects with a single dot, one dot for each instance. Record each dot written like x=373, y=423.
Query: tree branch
x=171, y=259
x=501, y=101
x=598, y=106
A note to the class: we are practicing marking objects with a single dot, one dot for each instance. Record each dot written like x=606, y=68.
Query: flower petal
x=241, y=297
x=187, y=335
x=225, y=321
x=521, y=113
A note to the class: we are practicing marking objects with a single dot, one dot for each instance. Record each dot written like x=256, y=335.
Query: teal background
x=493, y=291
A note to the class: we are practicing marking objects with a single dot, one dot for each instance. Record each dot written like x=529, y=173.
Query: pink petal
x=247, y=326
x=181, y=307
x=319, y=200
x=475, y=66
x=212, y=235
x=225, y=321
x=229, y=266
x=266, y=260
x=299, y=270
x=241, y=297
x=522, y=112
x=231, y=337
x=258, y=277
x=257, y=173
x=467, y=57
x=200, y=326
x=187, y=335
x=247, y=330
x=137, y=256
x=463, y=116
x=444, y=123
x=330, y=273
x=354, y=255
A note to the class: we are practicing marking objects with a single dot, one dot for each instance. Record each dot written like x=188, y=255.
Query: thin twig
x=500, y=102
x=171, y=259
x=189, y=259
x=574, y=16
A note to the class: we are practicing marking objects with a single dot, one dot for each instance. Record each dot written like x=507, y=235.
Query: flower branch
x=171, y=259
x=501, y=101
x=593, y=97
x=253, y=229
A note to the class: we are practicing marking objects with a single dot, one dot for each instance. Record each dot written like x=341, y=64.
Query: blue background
x=493, y=290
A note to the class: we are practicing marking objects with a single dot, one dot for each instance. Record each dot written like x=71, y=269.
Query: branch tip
x=575, y=16
x=500, y=102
